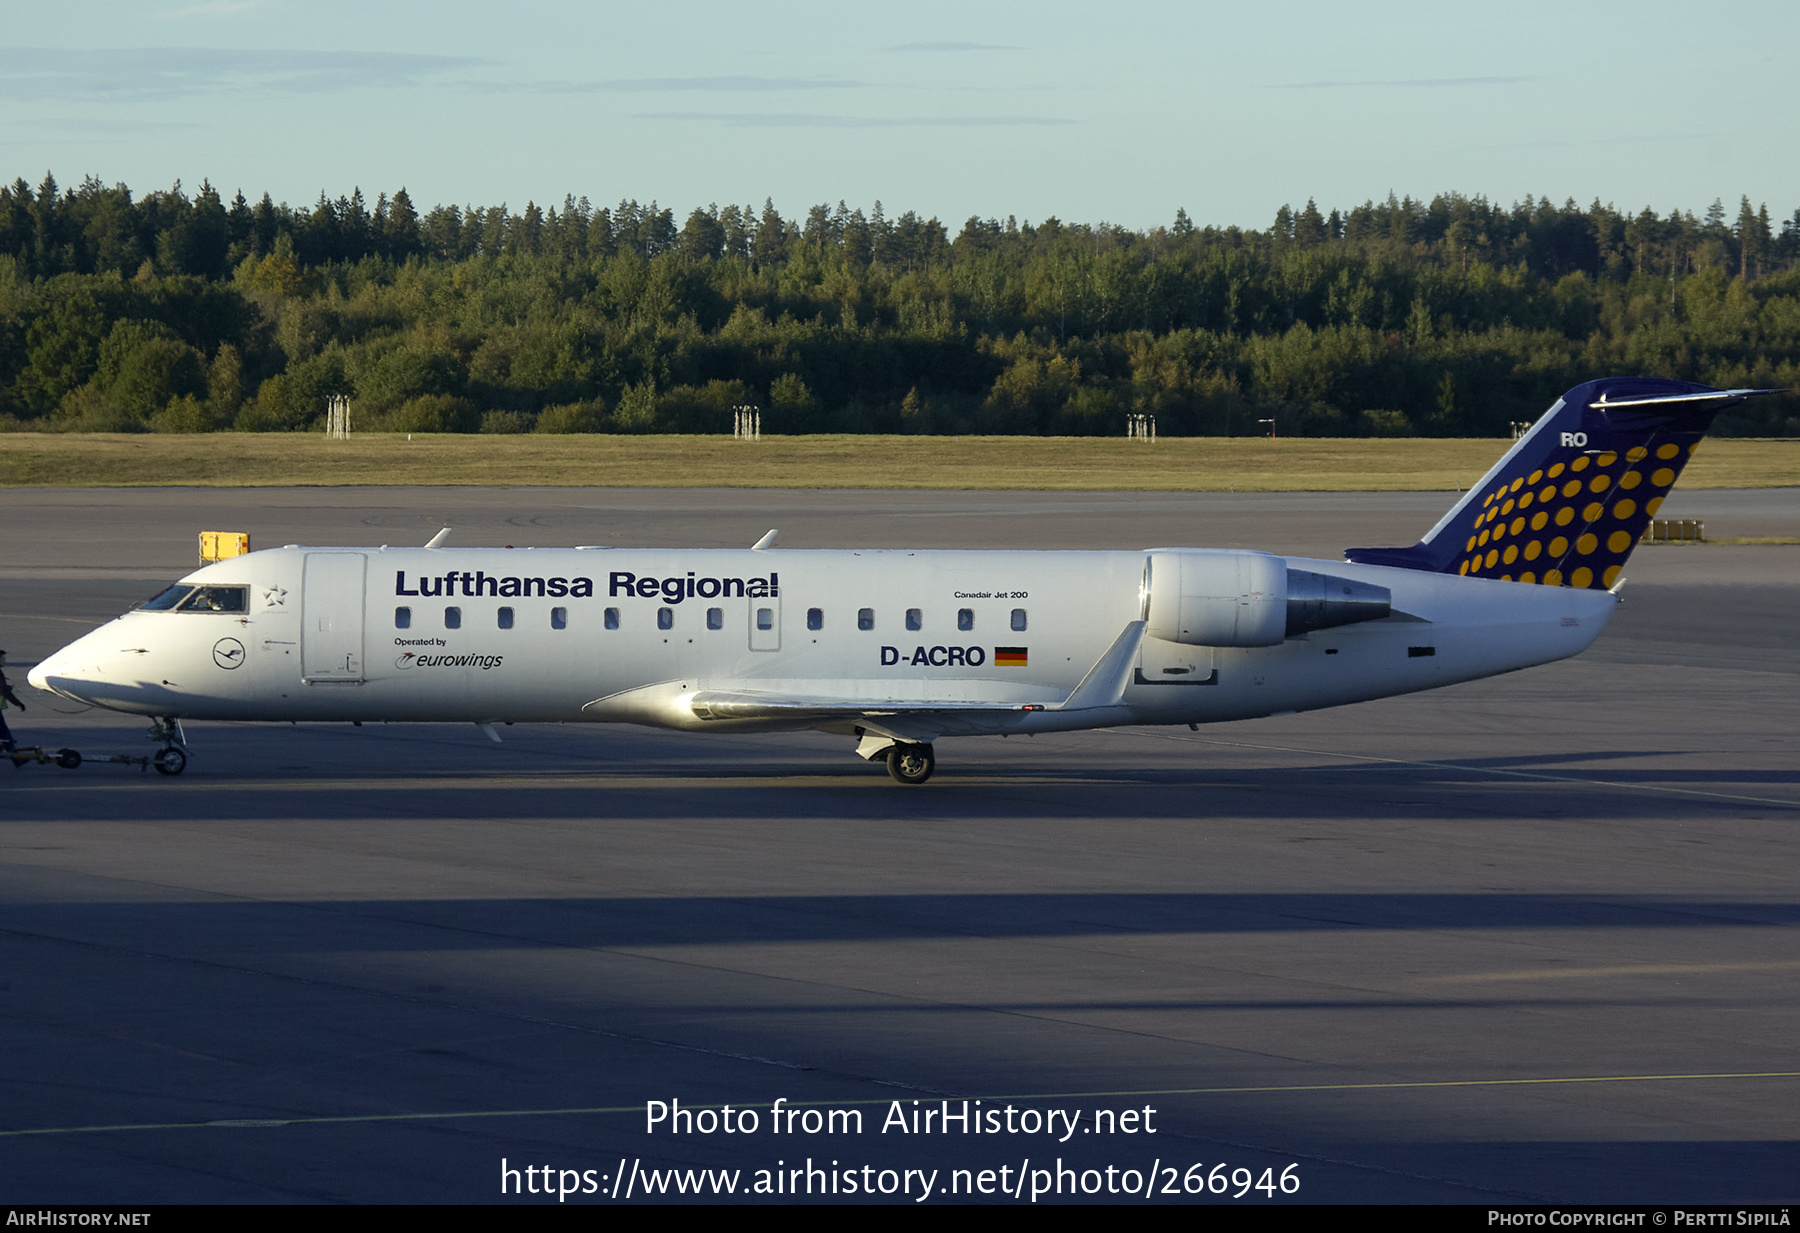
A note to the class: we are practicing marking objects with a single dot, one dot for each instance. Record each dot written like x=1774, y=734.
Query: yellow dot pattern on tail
x=1600, y=534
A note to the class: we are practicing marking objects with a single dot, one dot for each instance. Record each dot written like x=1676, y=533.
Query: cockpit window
x=166, y=600
x=217, y=599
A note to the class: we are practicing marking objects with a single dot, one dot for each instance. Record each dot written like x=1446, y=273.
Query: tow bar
x=170, y=761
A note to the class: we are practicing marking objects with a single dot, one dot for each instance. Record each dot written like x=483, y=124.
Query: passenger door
x=331, y=617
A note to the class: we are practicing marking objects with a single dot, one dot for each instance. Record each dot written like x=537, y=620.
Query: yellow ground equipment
x=223, y=545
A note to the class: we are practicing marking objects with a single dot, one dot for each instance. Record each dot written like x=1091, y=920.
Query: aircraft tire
x=68, y=759
x=170, y=761
x=910, y=764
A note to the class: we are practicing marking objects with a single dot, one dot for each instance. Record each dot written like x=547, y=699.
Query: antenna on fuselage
x=437, y=541
x=767, y=541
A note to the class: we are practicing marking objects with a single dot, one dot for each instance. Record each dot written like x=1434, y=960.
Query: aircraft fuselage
x=485, y=635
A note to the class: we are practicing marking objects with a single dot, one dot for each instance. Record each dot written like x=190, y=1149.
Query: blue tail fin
x=1570, y=500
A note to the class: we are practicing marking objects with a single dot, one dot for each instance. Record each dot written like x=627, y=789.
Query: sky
x=1120, y=113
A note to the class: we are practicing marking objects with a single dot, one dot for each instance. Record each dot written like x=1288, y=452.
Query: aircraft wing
x=1103, y=686
x=976, y=706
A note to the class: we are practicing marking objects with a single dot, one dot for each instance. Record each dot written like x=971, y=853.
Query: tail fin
x=1570, y=500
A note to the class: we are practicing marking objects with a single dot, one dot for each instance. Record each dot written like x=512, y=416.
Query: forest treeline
x=1452, y=317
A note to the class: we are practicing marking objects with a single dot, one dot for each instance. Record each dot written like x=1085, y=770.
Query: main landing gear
x=910, y=764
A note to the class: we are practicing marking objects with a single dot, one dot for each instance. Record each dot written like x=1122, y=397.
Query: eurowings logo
x=484, y=662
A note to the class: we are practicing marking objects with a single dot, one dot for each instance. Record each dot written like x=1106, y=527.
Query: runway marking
x=1646, y=969
x=38, y=616
x=326, y=781
x=261, y=1123
x=1457, y=766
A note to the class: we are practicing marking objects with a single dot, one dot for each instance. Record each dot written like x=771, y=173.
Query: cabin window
x=915, y=620
x=506, y=618
x=715, y=618
x=665, y=618
x=815, y=618
x=965, y=619
x=453, y=618
x=559, y=618
x=403, y=618
x=1018, y=620
x=865, y=618
x=611, y=620
x=765, y=618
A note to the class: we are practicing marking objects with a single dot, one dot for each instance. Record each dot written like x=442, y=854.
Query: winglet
x=1104, y=685
x=767, y=541
x=437, y=541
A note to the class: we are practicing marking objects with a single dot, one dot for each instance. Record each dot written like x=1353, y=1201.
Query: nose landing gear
x=171, y=759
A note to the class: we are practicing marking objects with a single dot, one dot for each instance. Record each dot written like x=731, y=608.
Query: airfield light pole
x=1271, y=424
x=337, y=417
x=748, y=426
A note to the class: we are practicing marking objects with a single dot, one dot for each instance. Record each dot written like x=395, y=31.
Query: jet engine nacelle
x=1325, y=601
x=1246, y=599
x=1216, y=598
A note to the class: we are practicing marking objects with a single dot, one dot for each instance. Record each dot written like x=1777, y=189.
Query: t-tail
x=1573, y=496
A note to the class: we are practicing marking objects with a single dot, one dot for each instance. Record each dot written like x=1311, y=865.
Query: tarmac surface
x=1531, y=939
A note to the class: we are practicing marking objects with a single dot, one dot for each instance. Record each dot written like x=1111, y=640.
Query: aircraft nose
x=72, y=671
x=57, y=675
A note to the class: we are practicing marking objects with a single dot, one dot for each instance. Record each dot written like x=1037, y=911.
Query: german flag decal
x=1009, y=657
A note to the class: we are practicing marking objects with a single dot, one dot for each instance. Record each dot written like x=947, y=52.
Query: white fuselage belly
x=1074, y=604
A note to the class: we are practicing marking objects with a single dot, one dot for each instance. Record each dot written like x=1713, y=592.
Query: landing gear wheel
x=68, y=759
x=169, y=761
x=910, y=764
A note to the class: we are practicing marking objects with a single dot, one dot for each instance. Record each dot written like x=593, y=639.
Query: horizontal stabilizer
x=1719, y=396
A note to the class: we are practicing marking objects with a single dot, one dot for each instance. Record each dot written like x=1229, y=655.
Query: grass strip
x=1192, y=464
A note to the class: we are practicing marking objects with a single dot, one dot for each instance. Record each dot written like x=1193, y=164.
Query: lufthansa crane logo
x=228, y=653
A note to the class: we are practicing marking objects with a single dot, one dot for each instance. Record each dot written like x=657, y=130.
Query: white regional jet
x=896, y=649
